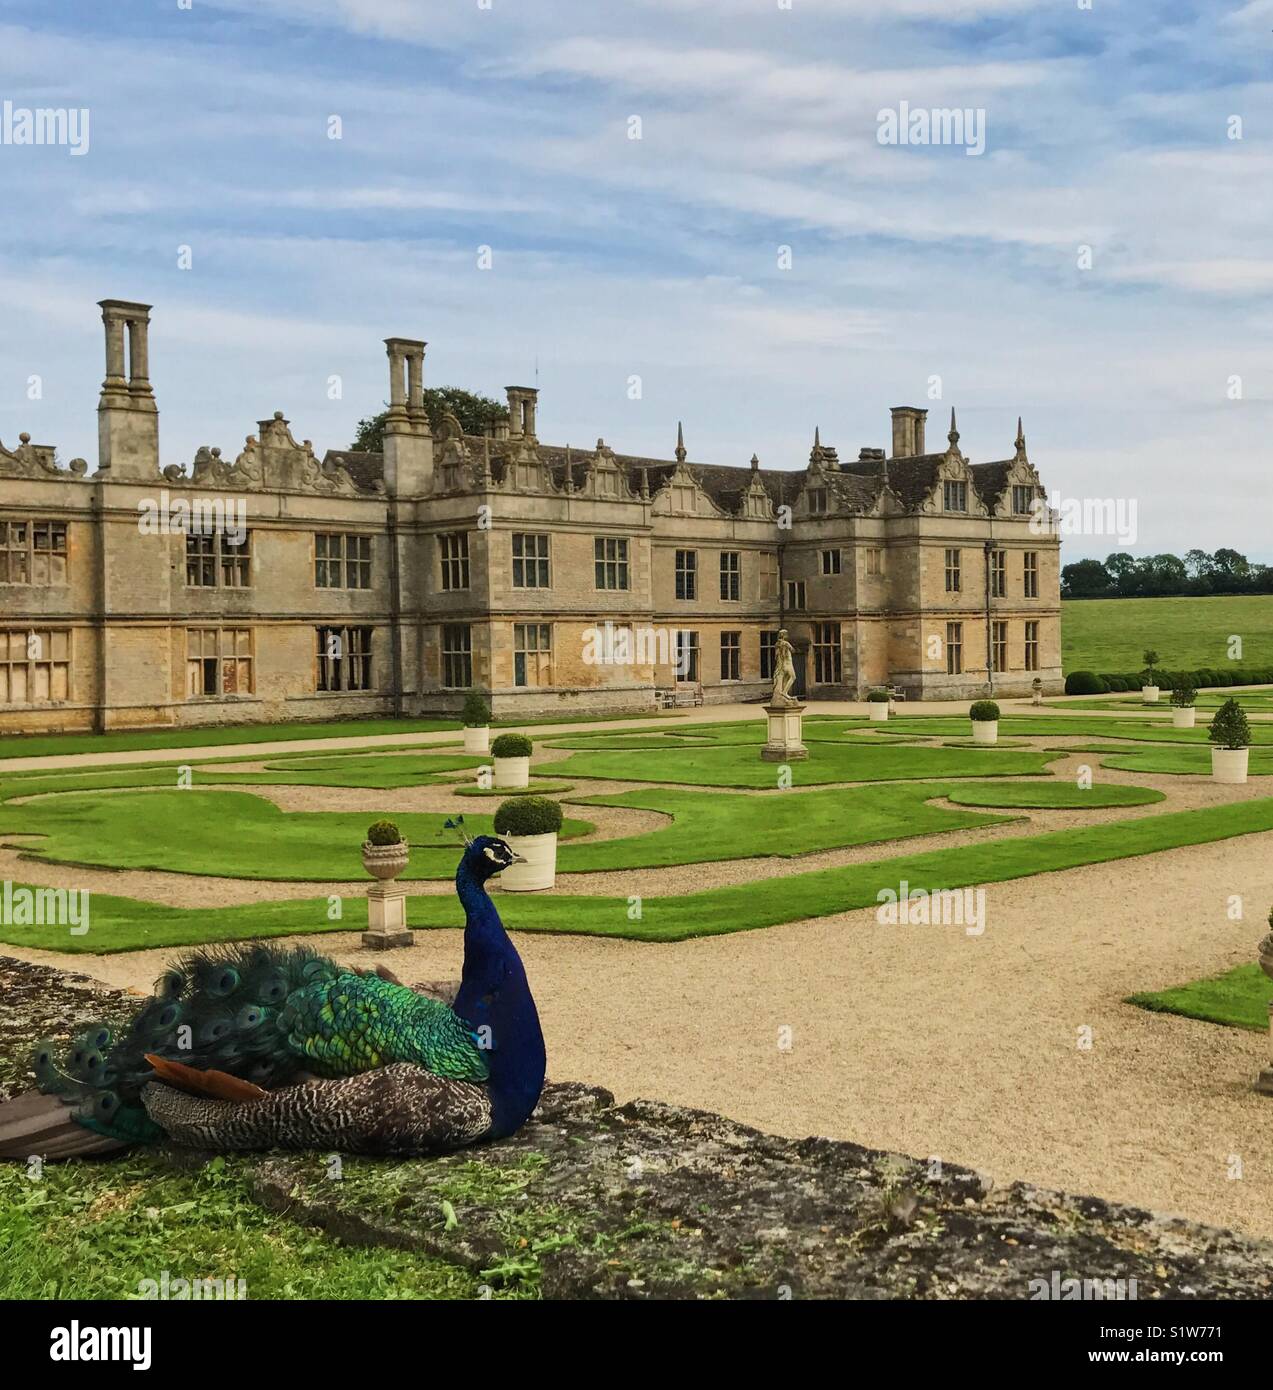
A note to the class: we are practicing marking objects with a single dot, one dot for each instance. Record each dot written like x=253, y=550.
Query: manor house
x=285, y=585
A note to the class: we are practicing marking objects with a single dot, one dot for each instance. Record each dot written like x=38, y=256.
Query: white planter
x=879, y=712
x=985, y=731
x=477, y=740
x=1183, y=718
x=1149, y=694
x=511, y=773
x=539, y=870
x=1229, y=765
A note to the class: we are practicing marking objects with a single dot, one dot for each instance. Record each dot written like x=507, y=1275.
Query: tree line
x=1159, y=576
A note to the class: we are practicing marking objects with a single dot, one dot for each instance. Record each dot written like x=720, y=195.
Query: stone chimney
x=127, y=417
x=522, y=401
x=408, y=447
x=908, y=431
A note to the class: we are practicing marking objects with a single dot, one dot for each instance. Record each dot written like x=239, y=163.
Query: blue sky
x=506, y=125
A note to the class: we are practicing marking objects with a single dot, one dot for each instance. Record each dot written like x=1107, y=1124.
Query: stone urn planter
x=877, y=706
x=1183, y=718
x=385, y=862
x=985, y=721
x=384, y=856
x=529, y=826
x=477, y=725
x=512, y=761
x=1149, y=694
x=1229, y=765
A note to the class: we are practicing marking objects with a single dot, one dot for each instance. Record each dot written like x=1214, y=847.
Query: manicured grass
x=95, y=1230
x=58, y=745
x=124, y=924
x=1051, y=795
x=1111, y=634
x=1239, y=998
x=1148, y=730
x=228, y=833
x=1255, y=699
x=738, y=765
x=1184, y=760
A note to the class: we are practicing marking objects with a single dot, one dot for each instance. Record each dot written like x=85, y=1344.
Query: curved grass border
x=124, y=924
x=1239, y=998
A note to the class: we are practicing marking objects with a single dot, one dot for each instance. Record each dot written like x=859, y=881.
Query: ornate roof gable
x=272, y=461
x=681, y=494
x=36, y=461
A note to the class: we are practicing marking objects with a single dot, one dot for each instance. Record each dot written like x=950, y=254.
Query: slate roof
x=854, y=486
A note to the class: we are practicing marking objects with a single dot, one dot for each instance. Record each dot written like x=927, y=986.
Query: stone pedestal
x=387, y=917
x=785, y=743
x=1264, y=1082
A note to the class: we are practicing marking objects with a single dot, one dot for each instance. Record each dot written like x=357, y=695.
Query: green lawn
x=1110, y=634
x=1183, y=761
x=93, y=1230
x=228, y=833
x=124, y=924
x=1239, y=998
x=57, y=745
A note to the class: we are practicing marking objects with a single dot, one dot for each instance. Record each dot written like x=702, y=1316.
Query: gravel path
x=931, y=1042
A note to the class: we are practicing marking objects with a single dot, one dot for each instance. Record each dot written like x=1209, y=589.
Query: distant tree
x=475, y=413
x=1085, y=579
x=1122, y=570
x=1199, y=564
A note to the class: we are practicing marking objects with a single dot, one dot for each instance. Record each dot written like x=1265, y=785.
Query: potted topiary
x=477, y=724
x=384, y=851
x=512, y=760
x=1183, y=696
x=985, y=721
x=1149, y=679
x=1231, y=735
x=529, y=824
x=877, y=701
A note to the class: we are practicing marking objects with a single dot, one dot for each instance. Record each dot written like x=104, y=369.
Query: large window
x=874, y=561
x=342, y=561
x=1030, y=574
x=830, y=562
x=454, y=550
x=344, y=658
x=999, y=646
x=611, y=559
x=457, y=656
x=219, y=661
x=530, y=560
x=795, y=595
x=33, y=552
x=826, y=653
x=532, y=654
x=215, y=557
x=768, y=574
x=954, y=649
x=1022, y=500
x=952, y=571
x=731, y=656
x=768, y=641
x=731, y=575
x=35, y=665
x=686, y=655
x=955, y=497
x=1032, y=646
x=687, y=574
x=998, y=573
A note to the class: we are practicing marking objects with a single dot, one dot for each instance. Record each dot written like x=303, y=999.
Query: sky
x=755, y=264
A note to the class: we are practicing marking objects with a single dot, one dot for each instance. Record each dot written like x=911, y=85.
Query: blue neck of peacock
x=495, y=999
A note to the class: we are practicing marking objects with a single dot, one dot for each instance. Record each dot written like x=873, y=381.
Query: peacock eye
x=490, y=853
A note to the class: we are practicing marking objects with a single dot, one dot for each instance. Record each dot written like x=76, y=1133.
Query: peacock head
x=487, y=856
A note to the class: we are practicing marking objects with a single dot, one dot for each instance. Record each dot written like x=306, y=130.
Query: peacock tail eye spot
x=106, y=1104
x=170, y=984
x=167, y=1017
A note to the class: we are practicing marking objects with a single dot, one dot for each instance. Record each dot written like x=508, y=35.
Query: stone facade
x=285, y=586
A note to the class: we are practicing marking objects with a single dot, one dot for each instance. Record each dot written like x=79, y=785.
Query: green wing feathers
x=357, y=1023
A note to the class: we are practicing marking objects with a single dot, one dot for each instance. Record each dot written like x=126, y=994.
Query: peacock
x=258, y=1046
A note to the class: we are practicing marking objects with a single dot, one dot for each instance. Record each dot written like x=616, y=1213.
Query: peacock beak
x=517, y=859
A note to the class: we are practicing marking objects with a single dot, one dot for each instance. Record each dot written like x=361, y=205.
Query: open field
x=1109, y=634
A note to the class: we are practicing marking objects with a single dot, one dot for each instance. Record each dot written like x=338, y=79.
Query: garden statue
x=784, y=671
